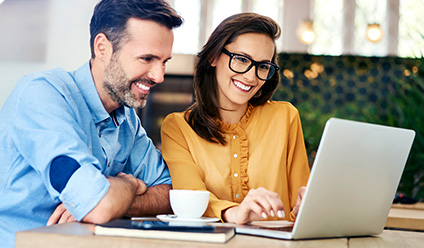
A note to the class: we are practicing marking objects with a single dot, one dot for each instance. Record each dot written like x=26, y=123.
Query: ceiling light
x=305, y=32
x=374, y=32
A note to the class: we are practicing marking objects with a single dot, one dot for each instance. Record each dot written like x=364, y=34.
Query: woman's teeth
x=242, y=86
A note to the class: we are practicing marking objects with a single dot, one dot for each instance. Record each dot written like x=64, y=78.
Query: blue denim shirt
x=58, y=113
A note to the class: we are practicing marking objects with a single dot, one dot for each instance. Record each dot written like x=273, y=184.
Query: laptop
x=352, y=184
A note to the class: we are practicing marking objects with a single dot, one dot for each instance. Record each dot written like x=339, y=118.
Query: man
x=71, y=146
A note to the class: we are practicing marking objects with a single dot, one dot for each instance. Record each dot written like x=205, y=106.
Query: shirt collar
x=120, y=114
x=84, y=81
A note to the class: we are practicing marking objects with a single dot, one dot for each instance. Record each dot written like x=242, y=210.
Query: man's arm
x=123, y=190
x=154, y=201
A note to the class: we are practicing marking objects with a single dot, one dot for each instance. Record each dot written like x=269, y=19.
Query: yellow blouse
x=265, y=149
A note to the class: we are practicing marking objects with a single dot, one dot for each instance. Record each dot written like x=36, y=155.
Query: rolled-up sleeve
x=86, y=187
x=51, y=128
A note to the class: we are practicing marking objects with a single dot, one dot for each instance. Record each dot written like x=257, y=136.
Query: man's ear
x=102, y=47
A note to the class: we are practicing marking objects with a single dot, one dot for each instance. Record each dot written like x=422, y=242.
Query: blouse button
x=234, y=137
x=237, y=195
x=235, y=155
x=235, y=175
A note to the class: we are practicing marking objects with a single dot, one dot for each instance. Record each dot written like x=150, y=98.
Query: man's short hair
x=110, y=18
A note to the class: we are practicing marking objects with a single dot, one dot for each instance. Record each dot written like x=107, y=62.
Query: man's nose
x=156, y=73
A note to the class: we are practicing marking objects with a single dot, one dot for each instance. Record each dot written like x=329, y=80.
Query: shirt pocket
x=113, y=168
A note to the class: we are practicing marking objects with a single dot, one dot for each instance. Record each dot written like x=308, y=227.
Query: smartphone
x=172, y=226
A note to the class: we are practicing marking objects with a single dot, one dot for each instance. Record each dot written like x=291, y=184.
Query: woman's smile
x=241, y=86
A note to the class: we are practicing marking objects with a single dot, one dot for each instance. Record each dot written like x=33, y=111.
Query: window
x=411, y=28
x=268, y=8
x=223, y=9
x=328, y=20
x=335, y=34
x=186, y=39
x=369, y=12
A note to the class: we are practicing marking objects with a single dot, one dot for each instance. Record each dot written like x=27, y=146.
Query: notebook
x=352, y=184
x=165, y=230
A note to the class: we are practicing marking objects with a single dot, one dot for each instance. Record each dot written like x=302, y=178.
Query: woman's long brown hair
x=202, y=115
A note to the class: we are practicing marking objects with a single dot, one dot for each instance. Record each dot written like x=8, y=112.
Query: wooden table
x=403, y=216
x=74, y=235
x=389, y=239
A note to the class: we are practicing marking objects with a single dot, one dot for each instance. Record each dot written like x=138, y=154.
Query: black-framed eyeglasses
x=241, y=64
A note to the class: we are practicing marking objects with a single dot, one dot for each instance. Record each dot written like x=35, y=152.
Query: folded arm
x=154, y=201
x=124, y=188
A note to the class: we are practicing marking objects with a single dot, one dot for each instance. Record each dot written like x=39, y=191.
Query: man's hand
x=300, y=194
x=60, y=215
x=124, y=188
x=142, y=188
x=258, y=204
x=122, y=191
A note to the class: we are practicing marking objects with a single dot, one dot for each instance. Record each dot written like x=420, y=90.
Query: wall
x=43, y=34
x=40, y=35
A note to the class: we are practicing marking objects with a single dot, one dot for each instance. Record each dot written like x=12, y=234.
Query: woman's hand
x=258, y=204
x=300, y=194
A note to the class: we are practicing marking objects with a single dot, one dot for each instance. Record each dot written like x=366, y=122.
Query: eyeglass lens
x=242, y=64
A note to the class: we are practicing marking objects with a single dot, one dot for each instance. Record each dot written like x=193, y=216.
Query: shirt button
x=234, y=137
x=237, y=195
x=235, y=175
x=108, y=164
x=107, y=120
x=235, y=155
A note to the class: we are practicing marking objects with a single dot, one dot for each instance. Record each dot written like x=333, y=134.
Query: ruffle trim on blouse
x=238, y=129
x=242, y=123
x=244, y=162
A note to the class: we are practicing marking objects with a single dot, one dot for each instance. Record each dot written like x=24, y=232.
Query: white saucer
x=171, y=217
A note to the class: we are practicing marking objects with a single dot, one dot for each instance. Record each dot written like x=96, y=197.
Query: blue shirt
x=58, y=113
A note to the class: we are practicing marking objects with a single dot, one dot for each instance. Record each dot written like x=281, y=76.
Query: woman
x=247, y=151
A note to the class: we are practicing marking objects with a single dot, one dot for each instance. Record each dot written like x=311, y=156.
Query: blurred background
x=354, y=59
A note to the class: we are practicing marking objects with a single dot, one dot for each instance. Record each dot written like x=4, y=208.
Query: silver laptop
x=352, y=184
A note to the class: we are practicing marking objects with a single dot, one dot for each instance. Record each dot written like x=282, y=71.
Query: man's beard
x=118, y=85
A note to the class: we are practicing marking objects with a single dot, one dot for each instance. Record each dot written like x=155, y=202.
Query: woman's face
x=236, y=89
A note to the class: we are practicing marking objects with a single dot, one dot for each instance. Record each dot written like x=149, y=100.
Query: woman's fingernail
x=280, y=214
x=272, y=213
x=264, y=215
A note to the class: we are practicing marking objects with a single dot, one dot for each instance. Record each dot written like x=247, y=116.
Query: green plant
x=408, y=112
x=381, y=90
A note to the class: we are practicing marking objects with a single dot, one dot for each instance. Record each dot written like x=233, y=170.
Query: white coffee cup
x=189, y=203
